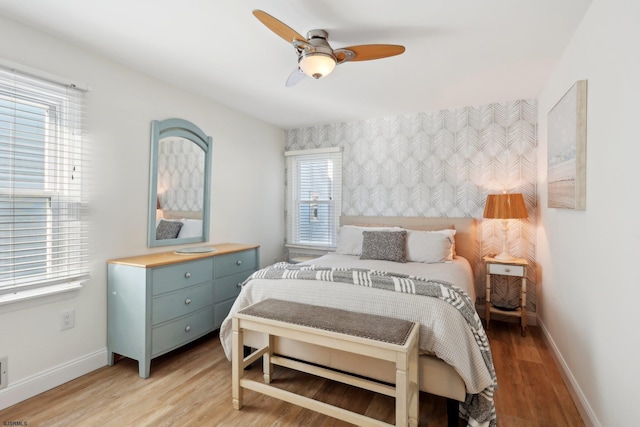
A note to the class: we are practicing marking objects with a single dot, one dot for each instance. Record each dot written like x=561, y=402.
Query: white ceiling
x=458, y=52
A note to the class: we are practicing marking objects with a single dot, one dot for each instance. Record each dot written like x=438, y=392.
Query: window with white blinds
x=314, y=197
x=43, y=230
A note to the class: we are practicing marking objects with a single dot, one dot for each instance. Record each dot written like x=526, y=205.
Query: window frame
x=62, y=105
x=293, y=202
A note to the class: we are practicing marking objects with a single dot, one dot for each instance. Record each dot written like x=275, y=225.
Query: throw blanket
x=478, y=409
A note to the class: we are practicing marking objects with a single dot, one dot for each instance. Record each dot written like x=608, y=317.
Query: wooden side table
x=515, y=268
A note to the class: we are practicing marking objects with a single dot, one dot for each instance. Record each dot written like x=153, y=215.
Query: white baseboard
x=582, y=404
x=46, y=380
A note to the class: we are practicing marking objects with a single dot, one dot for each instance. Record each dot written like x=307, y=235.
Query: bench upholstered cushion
x=370, y=326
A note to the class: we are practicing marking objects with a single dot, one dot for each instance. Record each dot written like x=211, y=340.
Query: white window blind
x=43, y=230
x=314, y=197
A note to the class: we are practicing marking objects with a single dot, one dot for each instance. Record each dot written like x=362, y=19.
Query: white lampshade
x=317, y=64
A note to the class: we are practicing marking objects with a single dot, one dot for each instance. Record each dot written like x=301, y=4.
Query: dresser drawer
x=225, y=265
x=177, y=276
x=176, y=304
x=180, y=331
x=506, y=270
x=229, y=287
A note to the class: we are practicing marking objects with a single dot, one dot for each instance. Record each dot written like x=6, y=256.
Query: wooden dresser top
x=171, y=257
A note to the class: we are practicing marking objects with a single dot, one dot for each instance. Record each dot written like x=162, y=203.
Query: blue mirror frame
x=177, y=128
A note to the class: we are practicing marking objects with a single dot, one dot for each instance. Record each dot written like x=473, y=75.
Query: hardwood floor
x=192, y=386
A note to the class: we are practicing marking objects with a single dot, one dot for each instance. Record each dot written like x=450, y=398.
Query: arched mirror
x=179, y=183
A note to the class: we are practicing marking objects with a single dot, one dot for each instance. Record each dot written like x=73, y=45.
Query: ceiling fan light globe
x=317, y=64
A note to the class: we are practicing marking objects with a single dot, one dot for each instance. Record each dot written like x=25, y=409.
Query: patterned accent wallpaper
x=180, y=175
x=442, y=164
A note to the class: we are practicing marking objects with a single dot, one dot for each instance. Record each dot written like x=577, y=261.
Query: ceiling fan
x=316, y=58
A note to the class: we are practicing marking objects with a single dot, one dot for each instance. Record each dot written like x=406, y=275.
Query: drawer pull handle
x=187, y=329
x=187, y=301
x=239, y=284
x=187, y=275
x=507, y=270
x=239, y=262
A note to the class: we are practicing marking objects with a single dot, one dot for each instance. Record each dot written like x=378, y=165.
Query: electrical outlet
x=67, y=319
x=4, y=369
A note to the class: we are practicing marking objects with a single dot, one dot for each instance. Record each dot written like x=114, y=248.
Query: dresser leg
x=144, y=368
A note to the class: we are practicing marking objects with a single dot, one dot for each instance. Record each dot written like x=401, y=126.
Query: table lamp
x=505, y=207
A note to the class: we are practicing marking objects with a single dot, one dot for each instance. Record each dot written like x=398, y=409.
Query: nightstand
x=515, y=268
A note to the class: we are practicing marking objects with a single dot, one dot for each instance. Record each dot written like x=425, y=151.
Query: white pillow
x=190, y=228
x=350, y=238
x=430, y=246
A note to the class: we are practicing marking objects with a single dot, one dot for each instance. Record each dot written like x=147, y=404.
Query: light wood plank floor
x=192, y=387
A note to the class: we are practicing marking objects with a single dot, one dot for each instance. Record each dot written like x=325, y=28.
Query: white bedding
x=443, y=332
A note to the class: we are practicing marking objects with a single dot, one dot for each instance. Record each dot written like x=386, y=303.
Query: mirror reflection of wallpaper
x=180, y=175
x=441, y=164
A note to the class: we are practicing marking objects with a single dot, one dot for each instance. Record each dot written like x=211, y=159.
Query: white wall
x=589, y=291
x=247, y=198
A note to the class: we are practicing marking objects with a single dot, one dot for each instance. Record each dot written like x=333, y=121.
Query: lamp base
x=504, y=256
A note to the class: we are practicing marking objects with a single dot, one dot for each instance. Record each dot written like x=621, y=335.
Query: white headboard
x=465, y=228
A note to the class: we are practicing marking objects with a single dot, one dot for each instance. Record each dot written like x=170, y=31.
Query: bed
x=455, y=359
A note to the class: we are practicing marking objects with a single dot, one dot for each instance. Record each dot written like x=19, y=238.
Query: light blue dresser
x=159, y=302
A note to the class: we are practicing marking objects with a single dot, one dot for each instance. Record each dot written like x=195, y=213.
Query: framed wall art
x=567, y=149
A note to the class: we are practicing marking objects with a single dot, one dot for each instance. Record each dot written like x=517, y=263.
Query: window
x=314, y=196
x=43, y=231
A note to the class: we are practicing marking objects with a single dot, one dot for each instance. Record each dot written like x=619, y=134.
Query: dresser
x=159, y=302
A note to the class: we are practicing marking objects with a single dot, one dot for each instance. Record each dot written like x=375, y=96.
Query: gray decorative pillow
x=384, y=245
x=168, y=229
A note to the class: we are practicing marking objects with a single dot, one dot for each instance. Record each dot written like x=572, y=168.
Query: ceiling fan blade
x=367, y=52
x=295, y=77
x=278, y=27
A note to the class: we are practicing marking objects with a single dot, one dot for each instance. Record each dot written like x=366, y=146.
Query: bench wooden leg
x=237, y=372
x=402, y=393
x=414, y=398
x=267, y=366
x=407, y=388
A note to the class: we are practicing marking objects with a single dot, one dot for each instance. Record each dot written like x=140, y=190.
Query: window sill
x=318, y=247
x=33, y=297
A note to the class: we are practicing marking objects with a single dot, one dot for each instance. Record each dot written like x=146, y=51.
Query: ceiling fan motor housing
x=317, y=52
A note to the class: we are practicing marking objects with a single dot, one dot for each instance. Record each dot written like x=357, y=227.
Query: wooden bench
x=375, y=336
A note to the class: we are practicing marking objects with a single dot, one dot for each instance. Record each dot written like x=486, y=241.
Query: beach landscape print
x=567, y=139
